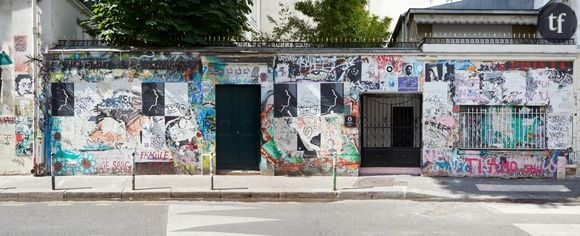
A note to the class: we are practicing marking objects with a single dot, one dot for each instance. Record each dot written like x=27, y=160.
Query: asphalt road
x=396, y=217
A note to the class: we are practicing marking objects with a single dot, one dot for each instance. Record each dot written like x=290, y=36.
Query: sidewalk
x=283, y=188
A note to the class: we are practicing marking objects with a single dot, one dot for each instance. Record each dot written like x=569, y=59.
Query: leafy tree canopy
x=167, y=22
x=329, y=19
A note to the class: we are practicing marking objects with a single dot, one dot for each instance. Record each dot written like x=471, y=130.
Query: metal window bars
x=503, y=127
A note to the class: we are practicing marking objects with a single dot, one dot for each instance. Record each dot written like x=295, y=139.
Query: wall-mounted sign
x=557, y=21
x=350, y=121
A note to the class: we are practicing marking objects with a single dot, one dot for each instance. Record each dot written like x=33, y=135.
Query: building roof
x=488, y=5
x=519, y=12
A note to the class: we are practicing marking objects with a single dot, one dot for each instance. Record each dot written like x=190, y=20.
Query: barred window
x=503, y=127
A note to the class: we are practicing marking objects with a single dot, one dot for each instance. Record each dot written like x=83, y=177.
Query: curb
x=91, y=195
x=32, y=196
x=273, y=196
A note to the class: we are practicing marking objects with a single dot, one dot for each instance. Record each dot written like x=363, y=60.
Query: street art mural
x=109, y=109
x=113, y=109
x=322, y=90
x=15, y=144
x=476, y=112
x=447, y=162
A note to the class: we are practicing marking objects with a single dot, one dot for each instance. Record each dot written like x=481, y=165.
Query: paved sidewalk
x=283, y=188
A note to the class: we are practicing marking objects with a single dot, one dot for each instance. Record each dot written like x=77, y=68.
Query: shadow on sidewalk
x=151, y=188
x=231, y=188
x=73, y=188
x=512, y=189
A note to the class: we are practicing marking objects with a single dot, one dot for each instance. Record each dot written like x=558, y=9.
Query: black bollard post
x=133, y=174
x=52, y=177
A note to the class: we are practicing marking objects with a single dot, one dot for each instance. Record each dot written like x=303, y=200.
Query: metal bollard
x=52, y=177
x=202, y=163
x=133, y=173
x=211, y=169
x=334, y=173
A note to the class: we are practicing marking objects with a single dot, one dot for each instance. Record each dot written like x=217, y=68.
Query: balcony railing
x=537, y=41
x=334, y=43
x=230, y=42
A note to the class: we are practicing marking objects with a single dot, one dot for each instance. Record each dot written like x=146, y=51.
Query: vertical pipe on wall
x=35, y=80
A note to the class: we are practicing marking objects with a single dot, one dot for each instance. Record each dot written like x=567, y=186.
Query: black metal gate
x=391, y=130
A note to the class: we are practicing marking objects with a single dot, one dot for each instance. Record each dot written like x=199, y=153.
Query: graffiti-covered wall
x=16, y=112
x=525, y=125
x=108, y=107
x=312, y=95
x=160, y=107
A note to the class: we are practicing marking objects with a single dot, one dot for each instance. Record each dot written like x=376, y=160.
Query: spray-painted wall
x=110, y=107
x=313, y=93
x=449, y=85
x=160, y=107
x=164, y=111
x=16, y=110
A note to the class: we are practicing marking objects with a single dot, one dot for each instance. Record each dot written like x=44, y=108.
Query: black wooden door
x=238, y=127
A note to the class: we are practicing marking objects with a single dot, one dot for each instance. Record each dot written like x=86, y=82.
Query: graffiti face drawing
x=23, y=85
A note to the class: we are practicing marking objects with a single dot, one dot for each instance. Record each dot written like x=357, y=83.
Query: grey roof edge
x=471, y=11
x=458, y=12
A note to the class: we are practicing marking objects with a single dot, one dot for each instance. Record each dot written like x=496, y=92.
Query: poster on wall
x=285, y=100
x=63, y=99
x=433, y=72
x=332, y=98
x=559, y=131
x=153, y=98
x=176, y=102
x=23, y=135
x=86, y=100
x=285, y=133
x=23, y=85
x=7, y=136
x=309, y=136
x=153, y=133
x=309, y=99
x=20, y=60
x=408, y=84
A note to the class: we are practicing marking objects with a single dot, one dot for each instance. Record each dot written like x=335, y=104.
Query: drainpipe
x=36, y=136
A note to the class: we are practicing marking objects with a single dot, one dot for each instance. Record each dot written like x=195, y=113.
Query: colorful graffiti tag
x=470, y=105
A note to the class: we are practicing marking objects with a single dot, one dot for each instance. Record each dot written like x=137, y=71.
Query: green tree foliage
x=329, y=19
x=167, y=22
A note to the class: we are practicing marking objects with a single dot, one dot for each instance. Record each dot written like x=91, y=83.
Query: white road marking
x=181, y=219
x=521, y=188
x=103, y=204
x=59, y=204
x=154, y=204
x=209, y=234
x=12, y=204
x=550, y=229
x=557, y=209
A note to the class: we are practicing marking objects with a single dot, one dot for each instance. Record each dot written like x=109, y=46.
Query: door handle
x=238, y=132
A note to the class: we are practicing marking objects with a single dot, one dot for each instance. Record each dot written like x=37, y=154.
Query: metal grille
x=391, y=120
x=540, y=41
x=503, y=127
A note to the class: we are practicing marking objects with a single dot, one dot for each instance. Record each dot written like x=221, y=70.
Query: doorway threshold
x=389, y=171
x=238, y=172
